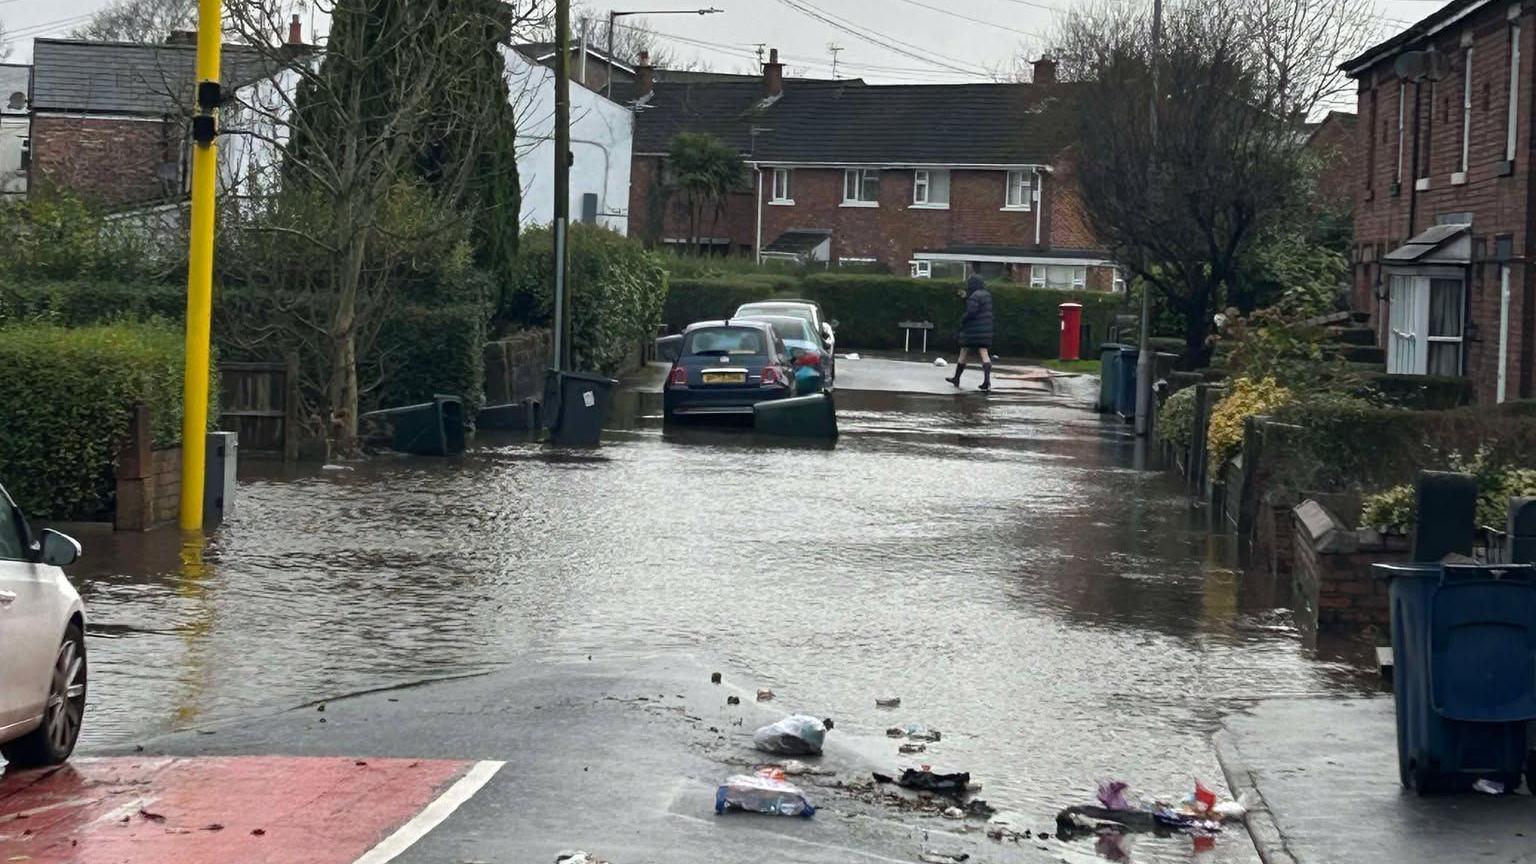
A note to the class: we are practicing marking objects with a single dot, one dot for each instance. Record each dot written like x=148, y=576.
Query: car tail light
x=771, y=375
x=679, y=377
x=808, y=359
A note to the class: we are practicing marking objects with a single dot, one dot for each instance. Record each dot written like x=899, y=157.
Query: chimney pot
x=1045, y=71
x=295, y=31
x=773, y=75
x=645, y=74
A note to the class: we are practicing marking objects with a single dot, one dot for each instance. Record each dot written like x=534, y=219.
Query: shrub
x=617, y=290
x=1395, y=509
x=77, y=303
x=69, y=397
x=1245, y=398
x=1176, y=419
x=422, y=352
x=50, y=235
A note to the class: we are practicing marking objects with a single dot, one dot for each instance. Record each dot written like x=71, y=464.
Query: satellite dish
x=17, y=102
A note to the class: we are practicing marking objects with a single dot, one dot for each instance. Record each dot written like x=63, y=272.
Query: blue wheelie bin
x=1109, y=362
x=1464, y=645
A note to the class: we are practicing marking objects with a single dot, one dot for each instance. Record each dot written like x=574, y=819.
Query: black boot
x=986, y=376
x=959, y=370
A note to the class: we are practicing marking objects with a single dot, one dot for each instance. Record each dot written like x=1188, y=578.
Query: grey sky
x=944, y=45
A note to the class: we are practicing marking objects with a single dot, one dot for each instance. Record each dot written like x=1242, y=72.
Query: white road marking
x=434, y=815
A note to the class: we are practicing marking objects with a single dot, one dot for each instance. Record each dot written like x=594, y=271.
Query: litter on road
x=924, y=780
x=940, y=858
x=1488, y=787
x=914, y=732
x=1200, y=813
x=910, y=749
x=764, y=792
x=795, y=768
x=578, y=858
x=765, y=695
x=893, y=702
x=797, y=735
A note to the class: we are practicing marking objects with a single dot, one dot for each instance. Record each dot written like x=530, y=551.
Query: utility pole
x=834, y=49
x=562, y=316
x=1144, y=349
x=205, y=160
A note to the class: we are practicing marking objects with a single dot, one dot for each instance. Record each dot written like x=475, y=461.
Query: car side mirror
x=58, y=550
x=833, y=323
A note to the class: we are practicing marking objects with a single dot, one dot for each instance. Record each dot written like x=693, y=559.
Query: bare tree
x=361, y=159
x=1181, y=206
x=1302, y=44
x=138, y=21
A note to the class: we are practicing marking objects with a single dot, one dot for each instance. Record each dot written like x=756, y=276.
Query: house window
x=781, y=187
x=1020, y=184
x=1466, y=111
x=1514, y=93
x=861, y=187
x=26, y=153
x=1061, y=277
x=1118, y=285
x=930, y=188
x=922, y=269
x=1426, y=326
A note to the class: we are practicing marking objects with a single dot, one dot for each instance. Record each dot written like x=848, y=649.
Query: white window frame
x=923, y=182
x=1118, y=282
x=1513, y=116
x=1039, y=273
x=782, y=192
x=856, y=180
x=1024, y=181
x=922, y=269
x=1466, y=117
x=1408, y=338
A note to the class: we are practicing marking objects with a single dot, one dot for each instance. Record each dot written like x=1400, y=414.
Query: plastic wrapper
x=799, y=735
x=764, y=792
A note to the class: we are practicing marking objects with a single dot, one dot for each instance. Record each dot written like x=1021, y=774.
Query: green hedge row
x=69, y=395
x=617, y=291
x=868, y=308
x=421, y=350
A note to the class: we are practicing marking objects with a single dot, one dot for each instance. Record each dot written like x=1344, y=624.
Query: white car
x=809, y=310
x=42, y=643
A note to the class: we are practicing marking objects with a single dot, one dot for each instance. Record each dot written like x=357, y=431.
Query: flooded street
x=997, y=563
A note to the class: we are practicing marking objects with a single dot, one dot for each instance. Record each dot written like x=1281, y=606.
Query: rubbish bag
x=940, y=784
x=763, y=792
x=797, y=735
x=1112, y=794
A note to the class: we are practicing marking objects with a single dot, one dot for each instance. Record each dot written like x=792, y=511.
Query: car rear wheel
x=53, y=741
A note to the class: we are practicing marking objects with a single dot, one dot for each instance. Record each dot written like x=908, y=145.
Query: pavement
x=619, y=758
x=1326, y=770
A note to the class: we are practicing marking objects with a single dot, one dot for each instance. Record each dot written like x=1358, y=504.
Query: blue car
x=805, y=348
x=725, y=367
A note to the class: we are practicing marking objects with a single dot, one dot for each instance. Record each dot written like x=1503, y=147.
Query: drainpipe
x=757, y=246
x=1413, y=189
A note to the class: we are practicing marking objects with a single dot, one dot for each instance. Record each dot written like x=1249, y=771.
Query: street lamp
x=613, y=20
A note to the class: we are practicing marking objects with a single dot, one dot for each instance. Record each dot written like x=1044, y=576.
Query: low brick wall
x=148, y=480
x=514, y=367
x=1331, y=573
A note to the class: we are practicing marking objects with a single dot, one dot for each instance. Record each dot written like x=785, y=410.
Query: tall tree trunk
x=342, y=385
x=1197, y=321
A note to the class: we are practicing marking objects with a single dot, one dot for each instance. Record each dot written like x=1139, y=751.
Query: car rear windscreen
x=726, y=341
x=792, y=329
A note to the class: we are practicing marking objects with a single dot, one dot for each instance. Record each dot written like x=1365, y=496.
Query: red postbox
x=1071, y=330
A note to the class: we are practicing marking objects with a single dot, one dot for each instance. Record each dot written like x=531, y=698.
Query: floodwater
x=996, y=562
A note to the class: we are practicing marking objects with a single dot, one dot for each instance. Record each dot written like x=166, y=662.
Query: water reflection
x=1000, y=564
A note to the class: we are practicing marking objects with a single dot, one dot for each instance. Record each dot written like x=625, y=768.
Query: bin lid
x=1072, y=305
x=1482, y=650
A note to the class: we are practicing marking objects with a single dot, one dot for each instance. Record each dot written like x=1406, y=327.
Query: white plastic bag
x=798, y=735
x=764, y=792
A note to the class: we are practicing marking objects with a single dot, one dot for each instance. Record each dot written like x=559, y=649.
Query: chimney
x=1045, y=71
x=645, y=74
x=295, y=31
x=773, y=75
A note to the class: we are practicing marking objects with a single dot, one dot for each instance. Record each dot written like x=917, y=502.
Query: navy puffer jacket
x=976, y=326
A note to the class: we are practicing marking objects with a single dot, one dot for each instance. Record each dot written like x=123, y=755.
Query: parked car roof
x=751, y=323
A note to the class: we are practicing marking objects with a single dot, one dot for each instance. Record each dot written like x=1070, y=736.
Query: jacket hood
x=974, y=284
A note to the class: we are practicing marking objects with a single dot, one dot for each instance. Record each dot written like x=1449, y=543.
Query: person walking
x=976, y=331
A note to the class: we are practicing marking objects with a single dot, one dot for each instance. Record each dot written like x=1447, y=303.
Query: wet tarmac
x=997, y=562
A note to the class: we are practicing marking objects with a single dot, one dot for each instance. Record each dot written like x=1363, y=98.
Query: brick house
x=1332, y=141
x=913, y=179
x=110, y=121
x=1444, y=203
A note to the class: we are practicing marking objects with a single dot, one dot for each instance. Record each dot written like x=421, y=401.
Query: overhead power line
x=889, y=43
x=953, y=14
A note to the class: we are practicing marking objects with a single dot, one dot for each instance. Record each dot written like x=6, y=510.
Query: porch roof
x=1440, y=245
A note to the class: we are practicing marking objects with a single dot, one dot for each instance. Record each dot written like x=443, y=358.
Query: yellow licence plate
x=725, y=377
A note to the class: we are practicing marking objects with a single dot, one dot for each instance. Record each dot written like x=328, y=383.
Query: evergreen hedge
x=868, y=308
x=69, y=395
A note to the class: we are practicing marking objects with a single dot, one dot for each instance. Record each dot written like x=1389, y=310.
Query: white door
x=26, y=606
x=1409, y=325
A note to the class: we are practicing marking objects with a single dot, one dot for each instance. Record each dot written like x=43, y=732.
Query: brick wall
x=107, y=161
x=1334, y=586
x=1334, y=145
x=148, y=480
x=514, y=367
x=1496, y=193
x=657, y=214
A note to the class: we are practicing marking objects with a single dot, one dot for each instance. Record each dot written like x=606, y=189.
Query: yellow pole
x=205, y=158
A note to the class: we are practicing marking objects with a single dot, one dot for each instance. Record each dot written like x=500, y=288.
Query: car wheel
x=53, y=741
